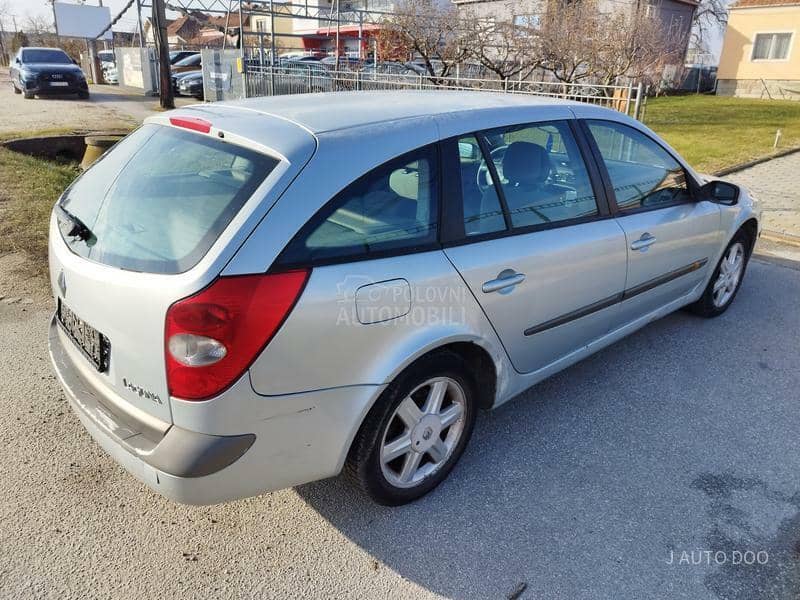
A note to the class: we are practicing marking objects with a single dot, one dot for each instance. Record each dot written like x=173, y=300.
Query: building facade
x=675, y=15
x=760, y=55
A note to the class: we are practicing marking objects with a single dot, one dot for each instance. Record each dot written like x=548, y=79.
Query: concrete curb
x=758, y=161
x=781, y=238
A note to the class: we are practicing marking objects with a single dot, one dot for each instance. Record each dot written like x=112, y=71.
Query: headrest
x=526, y=163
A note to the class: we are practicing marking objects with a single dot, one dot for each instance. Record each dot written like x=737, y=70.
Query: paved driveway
x=681, y=438
x=109, y=107
x=776, y=183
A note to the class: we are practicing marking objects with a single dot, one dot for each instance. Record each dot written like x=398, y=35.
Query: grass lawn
x=714, y=132
x=28, y=189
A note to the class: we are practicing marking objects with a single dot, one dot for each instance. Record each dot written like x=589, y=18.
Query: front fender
x=732, y=219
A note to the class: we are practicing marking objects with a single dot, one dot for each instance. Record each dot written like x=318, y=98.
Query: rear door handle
x=644, y=242
x=505, y=279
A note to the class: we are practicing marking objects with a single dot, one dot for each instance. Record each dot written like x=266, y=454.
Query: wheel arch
x=481, y=364
x=750, y=227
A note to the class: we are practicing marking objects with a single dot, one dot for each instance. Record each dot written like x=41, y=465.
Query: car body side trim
x=616, y=298
x=575, y=314
x=662, y=279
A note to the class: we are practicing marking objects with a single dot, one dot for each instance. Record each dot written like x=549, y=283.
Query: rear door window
x=159, y=199
x=392, y=208
x=483, y=212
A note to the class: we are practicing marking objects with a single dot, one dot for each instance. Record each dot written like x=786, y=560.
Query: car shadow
x=582, y=486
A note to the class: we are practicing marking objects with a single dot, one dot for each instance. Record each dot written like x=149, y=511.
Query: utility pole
x=2, y=44
x=105, y=44
x=94, y=60
x=338, y=27
x=162, y=45
x=55, y=21
x=139, y=23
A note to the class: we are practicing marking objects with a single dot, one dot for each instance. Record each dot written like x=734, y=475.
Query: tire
x=16, y=89
x=83, y=95
x=414, y=473
x=715, y=302
x=29, y=95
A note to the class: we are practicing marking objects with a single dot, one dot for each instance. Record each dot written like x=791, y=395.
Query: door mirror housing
x=721, y=192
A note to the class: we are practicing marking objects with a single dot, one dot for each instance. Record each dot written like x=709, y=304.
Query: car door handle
x=506, y=279
x=643, y=242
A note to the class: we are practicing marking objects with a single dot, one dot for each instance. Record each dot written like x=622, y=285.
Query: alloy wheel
x=423, y=432
x=730, y=273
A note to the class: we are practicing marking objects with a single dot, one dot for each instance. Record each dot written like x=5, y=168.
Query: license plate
x=59, y=83
x=93, y=344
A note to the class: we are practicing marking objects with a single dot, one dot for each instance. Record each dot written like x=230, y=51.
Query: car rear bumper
x=283, y=449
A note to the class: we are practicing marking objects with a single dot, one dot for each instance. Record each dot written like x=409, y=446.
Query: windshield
x=45, y=55
x=189, y=61
x=159, y=199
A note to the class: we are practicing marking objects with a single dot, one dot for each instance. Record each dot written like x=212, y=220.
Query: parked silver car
x=259, y=294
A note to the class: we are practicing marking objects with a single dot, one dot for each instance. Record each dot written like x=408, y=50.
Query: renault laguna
x=259, y=294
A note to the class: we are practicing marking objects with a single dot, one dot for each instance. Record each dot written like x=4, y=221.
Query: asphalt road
x=681, y=438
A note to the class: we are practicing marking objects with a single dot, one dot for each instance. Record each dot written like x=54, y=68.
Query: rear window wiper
x=79, y=229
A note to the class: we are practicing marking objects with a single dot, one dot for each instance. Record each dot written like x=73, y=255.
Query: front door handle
x=505, y=279
x=644, y=242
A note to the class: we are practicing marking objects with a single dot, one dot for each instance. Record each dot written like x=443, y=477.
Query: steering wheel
x=484, y=177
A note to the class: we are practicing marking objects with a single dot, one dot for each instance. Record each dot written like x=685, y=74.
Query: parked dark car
x=189, y=63
x=190, y=84
x=177, y=55
x=300, y=76
x=40, y=71
x=345, y=63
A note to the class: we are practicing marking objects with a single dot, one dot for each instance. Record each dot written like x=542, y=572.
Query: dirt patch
x=20, y=283
x=55, y=115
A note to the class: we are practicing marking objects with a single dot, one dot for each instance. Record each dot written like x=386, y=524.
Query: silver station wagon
x=259, y=294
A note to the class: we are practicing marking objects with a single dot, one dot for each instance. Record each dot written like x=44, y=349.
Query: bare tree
x=432, y=31
x=5, y=12
x=708, y=16
x=634, y=46
x=507, y=49
x=37, y=24
x=569, y=39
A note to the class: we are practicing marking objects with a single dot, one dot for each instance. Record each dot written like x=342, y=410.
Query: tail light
x=213, y=336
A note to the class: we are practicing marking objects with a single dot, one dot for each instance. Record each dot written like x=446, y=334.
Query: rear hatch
x=154, y=221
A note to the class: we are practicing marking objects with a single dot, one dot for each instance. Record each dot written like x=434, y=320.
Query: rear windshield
x=189, y=61
x=45, y=56
x=159, y=199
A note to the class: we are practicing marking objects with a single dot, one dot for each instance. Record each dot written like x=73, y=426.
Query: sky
x=22, y=8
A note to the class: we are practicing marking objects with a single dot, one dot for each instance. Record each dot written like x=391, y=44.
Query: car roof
x=324, y=112
x=41, y=48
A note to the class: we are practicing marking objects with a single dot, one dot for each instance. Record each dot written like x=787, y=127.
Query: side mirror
x=721, y=192
x=17, y=60
x=467, y=151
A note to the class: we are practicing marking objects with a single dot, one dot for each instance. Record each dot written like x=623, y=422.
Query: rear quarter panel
x=324, y=345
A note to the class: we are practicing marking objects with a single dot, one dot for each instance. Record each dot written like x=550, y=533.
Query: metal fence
x=309, y=77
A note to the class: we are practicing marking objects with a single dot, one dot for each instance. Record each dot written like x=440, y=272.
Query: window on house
x=527, y=21
x=771, y=46
x=651, y=8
